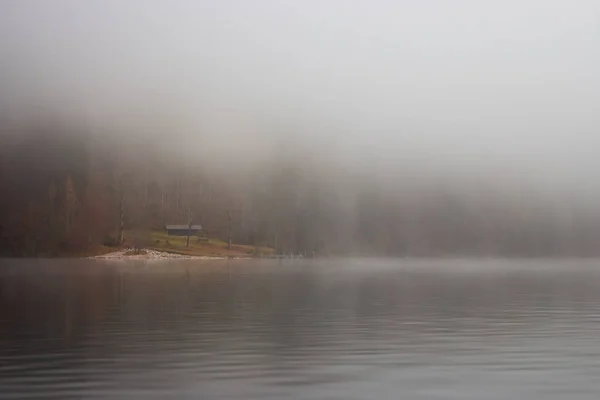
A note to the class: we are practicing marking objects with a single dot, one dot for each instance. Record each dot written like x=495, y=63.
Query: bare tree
x=70, y=201
x=190, y=219
x=121, y=223
x=229, y=235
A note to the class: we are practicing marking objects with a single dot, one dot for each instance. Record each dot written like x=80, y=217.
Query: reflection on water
x=352, y=329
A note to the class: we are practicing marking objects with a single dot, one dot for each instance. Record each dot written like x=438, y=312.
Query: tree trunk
x=229, y=236
x=187, y=244
x=121, y=213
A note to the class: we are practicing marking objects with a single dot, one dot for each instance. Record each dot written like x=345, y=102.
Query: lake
x=293, y=329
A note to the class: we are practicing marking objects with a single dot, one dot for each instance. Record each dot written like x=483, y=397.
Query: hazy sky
x=465, y=84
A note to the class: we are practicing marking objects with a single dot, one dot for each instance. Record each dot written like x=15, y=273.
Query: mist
x=487, y=103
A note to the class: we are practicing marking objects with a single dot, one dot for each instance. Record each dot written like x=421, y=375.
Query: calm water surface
x=348, y=329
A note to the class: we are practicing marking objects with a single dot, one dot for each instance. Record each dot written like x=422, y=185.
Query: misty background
x=390, y=128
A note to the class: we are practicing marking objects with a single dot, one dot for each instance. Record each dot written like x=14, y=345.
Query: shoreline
x=150, y=254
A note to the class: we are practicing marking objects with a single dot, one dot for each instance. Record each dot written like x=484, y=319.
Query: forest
x=66, y=189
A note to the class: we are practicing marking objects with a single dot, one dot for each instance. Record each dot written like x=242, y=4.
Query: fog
x=464, y=92
x=459, y=84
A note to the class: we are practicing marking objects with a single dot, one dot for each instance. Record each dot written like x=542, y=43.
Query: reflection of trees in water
x=287, y=309
x=56, y=302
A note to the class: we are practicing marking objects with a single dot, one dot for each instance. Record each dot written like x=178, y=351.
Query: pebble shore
x=151, y=255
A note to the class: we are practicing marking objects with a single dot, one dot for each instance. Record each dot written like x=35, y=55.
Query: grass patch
x=199, y=246
x=137, y=252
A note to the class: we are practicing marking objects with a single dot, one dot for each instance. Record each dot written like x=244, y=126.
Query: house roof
x=182, y=227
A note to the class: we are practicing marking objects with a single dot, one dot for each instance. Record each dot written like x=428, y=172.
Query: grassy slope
x=159, y=240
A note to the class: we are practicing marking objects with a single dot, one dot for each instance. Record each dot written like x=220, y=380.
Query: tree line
x=65, y=189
